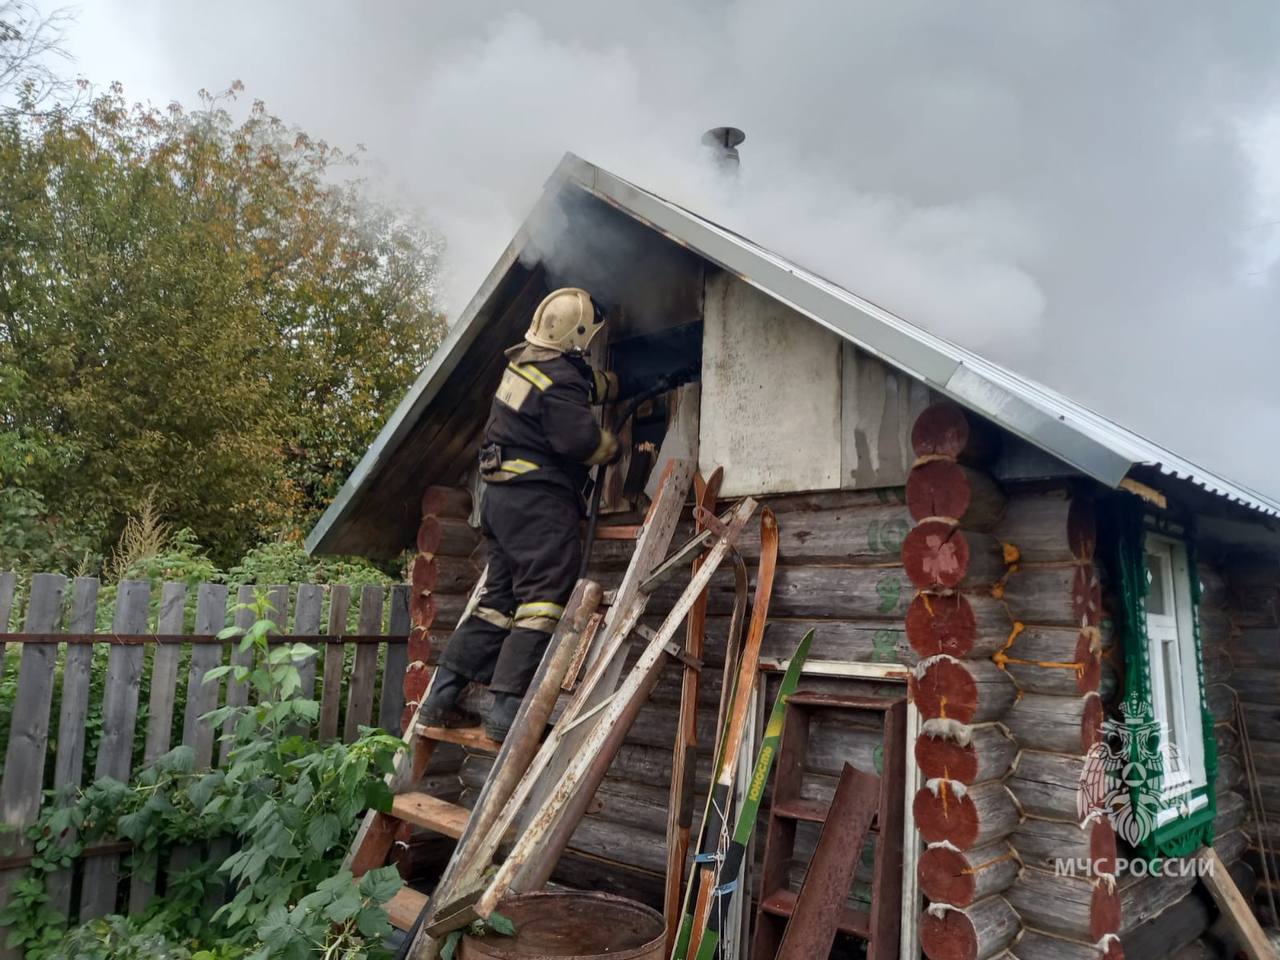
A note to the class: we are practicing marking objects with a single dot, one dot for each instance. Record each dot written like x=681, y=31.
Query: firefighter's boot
x=440, y=708
x=502, y=715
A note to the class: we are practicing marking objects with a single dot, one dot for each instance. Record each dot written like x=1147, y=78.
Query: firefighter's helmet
x=566, y=320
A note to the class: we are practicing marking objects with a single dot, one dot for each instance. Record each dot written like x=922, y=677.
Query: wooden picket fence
x=76, y=714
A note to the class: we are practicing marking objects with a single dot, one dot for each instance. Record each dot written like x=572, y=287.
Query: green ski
x=701, y=922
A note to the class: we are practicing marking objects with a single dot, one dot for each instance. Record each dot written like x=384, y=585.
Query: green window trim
x=1187, y=832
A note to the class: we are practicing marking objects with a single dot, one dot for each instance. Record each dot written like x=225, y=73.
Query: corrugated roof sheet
x=1091, y=443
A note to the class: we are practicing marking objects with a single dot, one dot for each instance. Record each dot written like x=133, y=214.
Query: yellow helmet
x=566, y=320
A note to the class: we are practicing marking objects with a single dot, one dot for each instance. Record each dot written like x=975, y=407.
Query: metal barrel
x=572, y=926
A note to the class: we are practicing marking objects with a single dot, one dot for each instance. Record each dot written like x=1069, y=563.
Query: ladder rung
x=404, y=907
x=431, y=813
x=782, y=903
x=815, y=811
x=838, y=701
x=473, y=738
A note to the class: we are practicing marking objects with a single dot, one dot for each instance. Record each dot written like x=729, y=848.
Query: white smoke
x=1086, y=191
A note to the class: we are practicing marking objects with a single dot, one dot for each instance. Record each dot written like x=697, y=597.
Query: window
x=1172, y=653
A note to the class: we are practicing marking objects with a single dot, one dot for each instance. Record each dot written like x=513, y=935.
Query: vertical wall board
x=119, y=716
x=681, y=439
x=306, y=620
x=68, y=764
x=391, y=705
x=211, y=616
x=770, y=411
x=8, y=584
x=365, y=669
x=878, y=407
x=21, y=789
x=237, y=692
x=334, y=665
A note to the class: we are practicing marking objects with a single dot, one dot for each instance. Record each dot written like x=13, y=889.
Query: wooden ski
x=685, y=759
x=715, y=816
x=726, y=876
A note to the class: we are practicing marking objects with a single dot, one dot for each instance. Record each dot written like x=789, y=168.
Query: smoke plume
x=1084, y=191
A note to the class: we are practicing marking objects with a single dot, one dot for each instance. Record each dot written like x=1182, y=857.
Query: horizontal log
x=1033, y=945
x=964, y=816
x=951, y=750
x=1049, y=527
x=941, y=556
x=1041, y=844
x=946, y=489
x=446, y=536
x=1253, y=585
x=1218, y=667
x=945, y=429
x=1213, y=587
x=582, y=871
x=1047, y=785
x=1263, y=722
x=199, y=639
x=1174, y=925
x=1069, y=725
x=451, y=502
x=961, y=877
x=970, y=691
x=966, y=625
x=1232, y=813
x=1221, y=700
x=1260, y=685
x=1068, y=596
x=1055, y=660
x=975, y=932
x=429, y=574
x=1255, y=647
x=1216, y=629
x=1072, y=907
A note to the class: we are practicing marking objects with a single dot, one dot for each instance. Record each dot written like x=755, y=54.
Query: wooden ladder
x=580, y=640
x=778, y=903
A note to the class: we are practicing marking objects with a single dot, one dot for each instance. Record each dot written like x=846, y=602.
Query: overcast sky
x=1086, y=191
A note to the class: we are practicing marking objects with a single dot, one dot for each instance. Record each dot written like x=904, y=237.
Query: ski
x=729, y=869
x=684, y=761
x=715, y=816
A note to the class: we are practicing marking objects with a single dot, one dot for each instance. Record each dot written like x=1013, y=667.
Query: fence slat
x=334, y=657
x=365, y=669
x=119, y=717
x=306, y=619
x=164, y=688
x=23, y=783
x=391, y=708
x=237, y=693
x=8, y=584
x=211, y=617
x=68, y=765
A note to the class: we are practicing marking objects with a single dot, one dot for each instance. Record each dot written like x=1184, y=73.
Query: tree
x=28, y=41
x=197, y=306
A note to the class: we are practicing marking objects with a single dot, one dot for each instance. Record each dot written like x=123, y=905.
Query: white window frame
x=1171, y=641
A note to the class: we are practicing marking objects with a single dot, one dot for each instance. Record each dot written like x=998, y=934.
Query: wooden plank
x=306, y=620
x=164, y=672
x=237, y=693
x=115, y=751
x=334, y=654
x=211, y=616
x=1235, y=909
x=364, y=671
x=164, y=684
x=21, y=791
x=391, y=705
x=68, y=764
x=8, y=585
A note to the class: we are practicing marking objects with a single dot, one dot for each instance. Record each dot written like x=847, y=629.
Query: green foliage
x=193, y=305
x=287, y=806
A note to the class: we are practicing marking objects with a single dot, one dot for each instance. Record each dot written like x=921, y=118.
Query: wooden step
x=815, y=811
x=472, y=738
x=837, y=701
x=782, y=903
x=404, y=907
x=431, y=813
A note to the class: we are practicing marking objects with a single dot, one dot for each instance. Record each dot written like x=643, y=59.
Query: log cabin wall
x=1161, y=915
x=957, y=626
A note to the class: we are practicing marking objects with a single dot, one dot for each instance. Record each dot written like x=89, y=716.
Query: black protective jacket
x=541, y=428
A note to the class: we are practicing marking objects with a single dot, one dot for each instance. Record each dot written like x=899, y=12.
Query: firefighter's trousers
x=533, y=550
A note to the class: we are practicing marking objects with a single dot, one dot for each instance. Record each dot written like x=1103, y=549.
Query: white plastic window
x=1175, y=683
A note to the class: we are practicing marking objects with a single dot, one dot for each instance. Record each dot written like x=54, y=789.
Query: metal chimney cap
x=726, y=138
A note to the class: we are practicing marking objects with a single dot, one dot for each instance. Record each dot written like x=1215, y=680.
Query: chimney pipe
x=722, y=142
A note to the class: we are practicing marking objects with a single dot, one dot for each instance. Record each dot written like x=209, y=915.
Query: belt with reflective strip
x=540, y=608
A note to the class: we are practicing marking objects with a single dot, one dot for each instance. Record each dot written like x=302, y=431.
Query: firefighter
x=539, y=444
